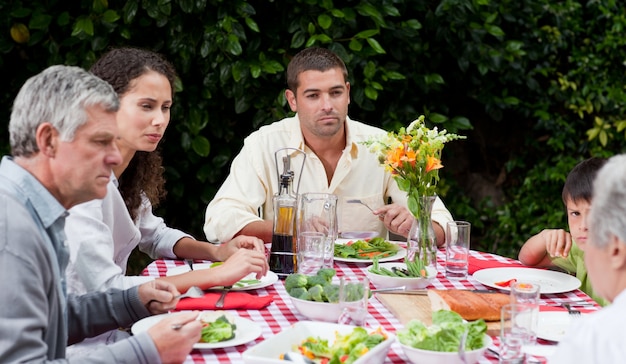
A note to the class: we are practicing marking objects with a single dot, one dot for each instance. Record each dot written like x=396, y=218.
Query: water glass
x=310, y=252
x=518, y=329
x=525, y=292
x=457, y=249
x=528, y=294
x=317, y=212
x=353, y=300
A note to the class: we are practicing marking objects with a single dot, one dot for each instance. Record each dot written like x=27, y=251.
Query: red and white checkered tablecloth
x=281, y=314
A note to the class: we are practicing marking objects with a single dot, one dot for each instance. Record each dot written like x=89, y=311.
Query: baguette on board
x=470, y=305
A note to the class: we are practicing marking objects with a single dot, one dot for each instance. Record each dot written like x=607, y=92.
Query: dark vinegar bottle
x=282, y=259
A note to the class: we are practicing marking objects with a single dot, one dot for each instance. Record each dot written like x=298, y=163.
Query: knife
x=423, y=292
x=189, y=263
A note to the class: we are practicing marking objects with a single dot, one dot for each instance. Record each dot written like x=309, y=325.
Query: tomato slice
x=506, y=283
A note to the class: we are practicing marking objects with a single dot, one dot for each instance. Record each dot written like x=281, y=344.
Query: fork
x=192, y=292
x=364, y=204
x=462, y=347
x=220, y=301
x=570, y=310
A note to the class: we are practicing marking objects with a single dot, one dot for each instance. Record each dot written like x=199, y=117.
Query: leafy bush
x=536, y=85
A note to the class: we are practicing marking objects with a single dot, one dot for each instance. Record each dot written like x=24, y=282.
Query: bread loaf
x=470, y=305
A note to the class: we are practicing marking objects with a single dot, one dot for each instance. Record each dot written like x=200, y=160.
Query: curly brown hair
x=144, y=174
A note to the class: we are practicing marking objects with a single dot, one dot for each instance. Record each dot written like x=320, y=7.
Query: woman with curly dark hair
x=103, y=233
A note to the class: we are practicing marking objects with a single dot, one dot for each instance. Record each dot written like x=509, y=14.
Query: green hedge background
x=535, y=85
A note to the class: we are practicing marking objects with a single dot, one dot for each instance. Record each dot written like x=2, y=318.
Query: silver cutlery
x=364, y=204
x=570, y=310
x=572, y=304
x=192, y=292
x=189, y=263
x=220, y=301
x=462, y=347
x=389, y=289
x=297, y=358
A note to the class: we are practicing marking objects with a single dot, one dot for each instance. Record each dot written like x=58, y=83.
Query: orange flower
x=433, y=163
x=409, y=157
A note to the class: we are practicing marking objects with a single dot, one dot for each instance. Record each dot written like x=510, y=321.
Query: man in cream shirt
x=336, y=162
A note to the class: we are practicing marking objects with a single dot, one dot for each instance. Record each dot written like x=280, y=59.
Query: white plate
x=268, y=351
x=269, y=279
x=552, y=325
x=545, y=351
x=550, y=281
x=245, y=332
x=400, y=254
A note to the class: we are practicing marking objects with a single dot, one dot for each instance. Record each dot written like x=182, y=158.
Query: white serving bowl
x=419, y=356
x=317, y=311
x=268, y=351
x=381, y=281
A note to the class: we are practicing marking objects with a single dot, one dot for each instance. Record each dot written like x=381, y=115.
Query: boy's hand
x=558, y=242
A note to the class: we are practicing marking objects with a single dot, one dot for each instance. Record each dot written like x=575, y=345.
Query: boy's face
x=577, y=212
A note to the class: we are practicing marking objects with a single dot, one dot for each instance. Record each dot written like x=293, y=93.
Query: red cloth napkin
x=559, y=308
x=475, y=264
x=233, y=301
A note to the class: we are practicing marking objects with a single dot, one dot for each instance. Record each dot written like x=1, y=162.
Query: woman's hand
x=226, y=250
x=240, y=264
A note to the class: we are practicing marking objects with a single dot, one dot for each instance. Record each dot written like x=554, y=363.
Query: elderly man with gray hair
x=63, y=132
x=599, y=337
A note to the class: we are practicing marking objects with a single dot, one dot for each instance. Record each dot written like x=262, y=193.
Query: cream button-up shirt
x=246, y=195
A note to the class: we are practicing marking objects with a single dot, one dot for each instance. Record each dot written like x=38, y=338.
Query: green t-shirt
x=575, y=264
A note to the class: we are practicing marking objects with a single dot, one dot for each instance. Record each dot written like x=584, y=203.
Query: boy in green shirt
x=557, y=247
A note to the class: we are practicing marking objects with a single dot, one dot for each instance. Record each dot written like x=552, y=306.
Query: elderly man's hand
x=158, y=296
x=175, y=335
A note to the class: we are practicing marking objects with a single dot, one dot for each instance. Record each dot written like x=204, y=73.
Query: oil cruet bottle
x=283, y=252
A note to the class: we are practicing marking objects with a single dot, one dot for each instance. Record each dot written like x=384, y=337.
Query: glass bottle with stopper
x=283, y=252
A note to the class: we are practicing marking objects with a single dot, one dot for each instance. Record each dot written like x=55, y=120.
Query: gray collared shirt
x=37, y=320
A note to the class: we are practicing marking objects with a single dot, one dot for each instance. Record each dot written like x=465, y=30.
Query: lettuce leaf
x=444, y=334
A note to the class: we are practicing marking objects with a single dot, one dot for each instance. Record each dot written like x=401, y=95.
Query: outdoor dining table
x=281, y=313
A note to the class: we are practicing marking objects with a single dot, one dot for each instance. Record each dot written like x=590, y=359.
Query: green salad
x=366, y=249
x=216, y=327
x=345, y=350
x=319, y=287
x=444, y=334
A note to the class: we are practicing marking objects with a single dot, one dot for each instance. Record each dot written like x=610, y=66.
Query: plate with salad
x=248, y=282
x=364, y=251
x=324, y=342
x=220, y=329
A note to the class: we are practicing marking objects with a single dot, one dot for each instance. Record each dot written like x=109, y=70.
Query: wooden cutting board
x=406, y=307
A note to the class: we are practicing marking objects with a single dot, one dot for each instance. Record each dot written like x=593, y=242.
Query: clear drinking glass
x=353, y=300
x=310, y=252
x=518, y=328
x=528, y=294
x=457, y=249
x=317, y=212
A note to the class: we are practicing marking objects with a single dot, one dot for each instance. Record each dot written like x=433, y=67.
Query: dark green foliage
x=535, y=85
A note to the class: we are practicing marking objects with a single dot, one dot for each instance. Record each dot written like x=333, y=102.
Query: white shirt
x=101, y=236
x=596, y=338
x=246, y=195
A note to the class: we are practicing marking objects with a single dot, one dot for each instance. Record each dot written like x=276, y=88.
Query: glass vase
x=421, y=241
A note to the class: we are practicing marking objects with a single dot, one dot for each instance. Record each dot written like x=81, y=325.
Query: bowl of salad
x=324, y=342
x=439, y=343
x=400, y=274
